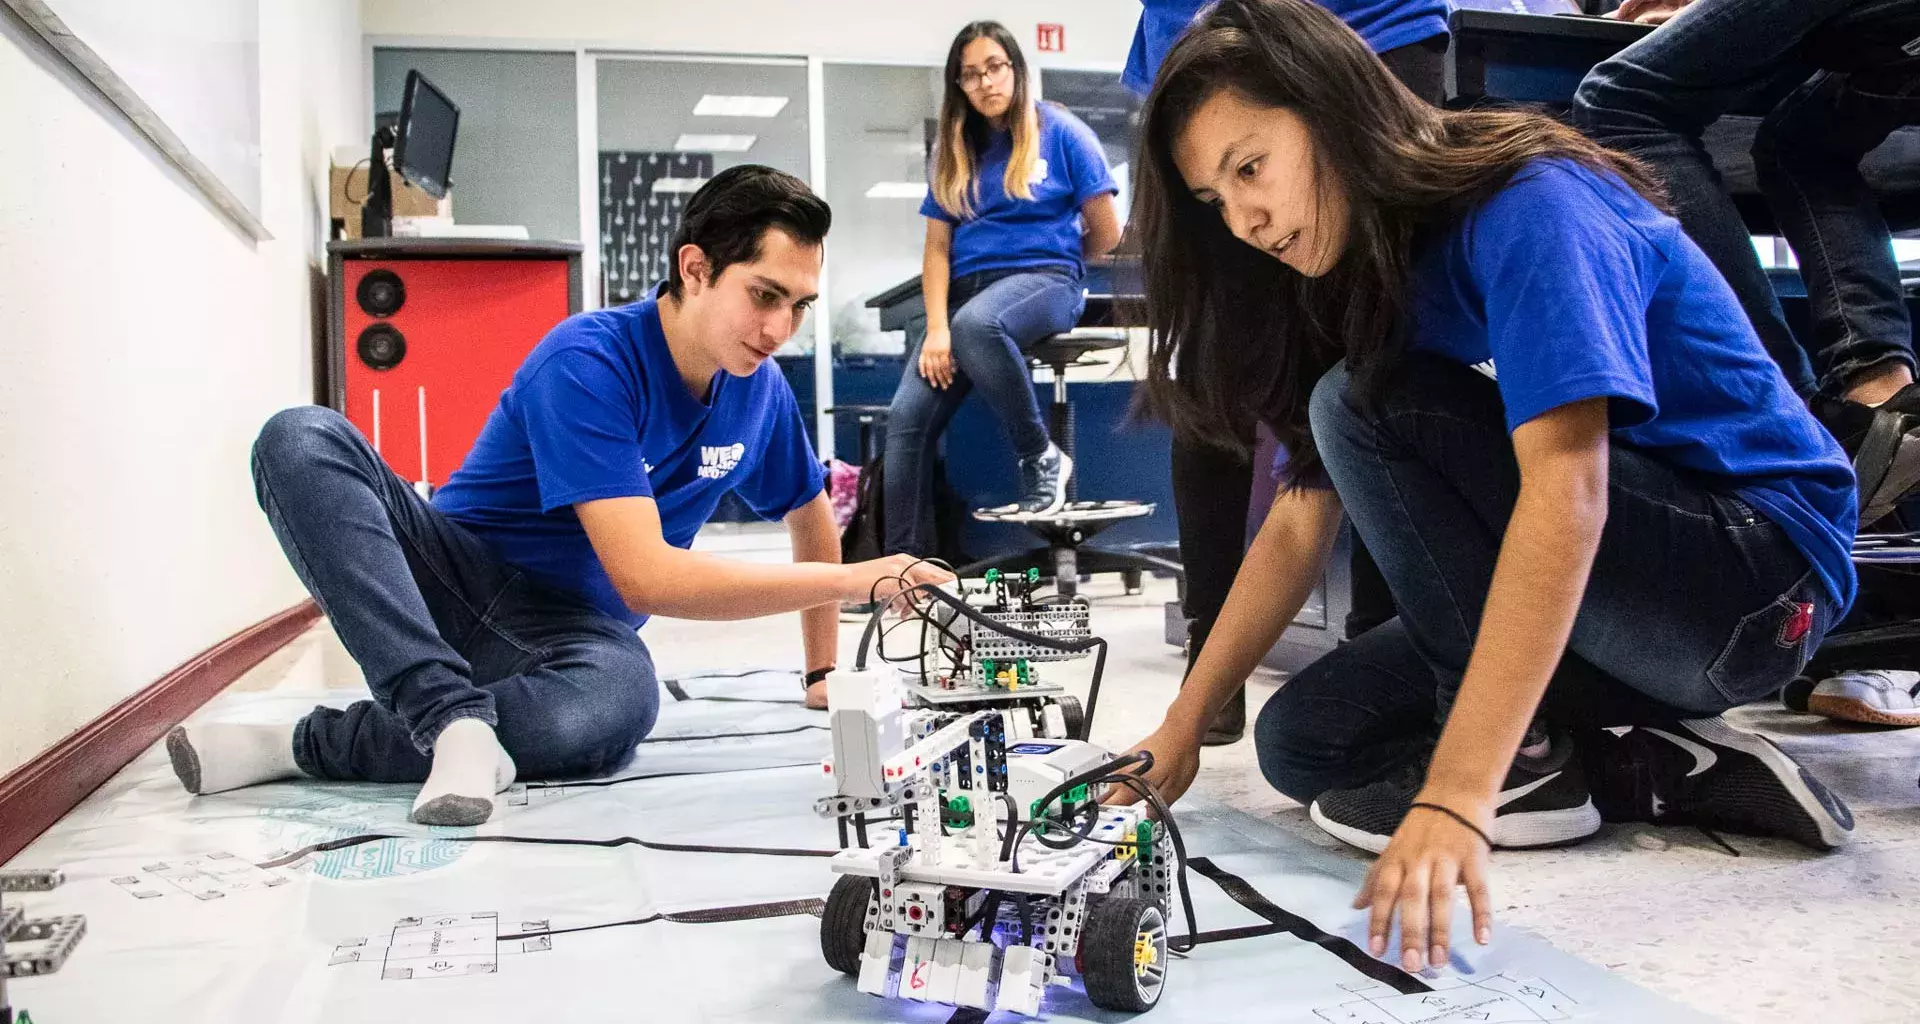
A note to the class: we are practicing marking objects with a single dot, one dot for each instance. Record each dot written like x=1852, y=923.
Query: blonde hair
x=963, y=130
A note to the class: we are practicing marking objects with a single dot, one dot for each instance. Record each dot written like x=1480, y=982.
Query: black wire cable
x=1096, y=644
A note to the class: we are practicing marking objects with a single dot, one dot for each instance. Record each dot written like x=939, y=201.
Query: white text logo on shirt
x=717, y=461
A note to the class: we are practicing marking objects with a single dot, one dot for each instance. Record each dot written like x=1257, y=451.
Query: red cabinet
x=424, y=334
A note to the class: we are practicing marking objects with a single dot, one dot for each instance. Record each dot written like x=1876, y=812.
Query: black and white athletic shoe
x=1043, y=481
x=1705, y=772
x=1542, y=803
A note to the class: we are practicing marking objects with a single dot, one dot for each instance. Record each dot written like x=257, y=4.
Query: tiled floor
x=1774, y=934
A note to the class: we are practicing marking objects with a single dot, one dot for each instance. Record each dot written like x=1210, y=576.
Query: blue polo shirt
x=1008, y=233
x=1384, y=24
x=598, y=410
x=1566, y=285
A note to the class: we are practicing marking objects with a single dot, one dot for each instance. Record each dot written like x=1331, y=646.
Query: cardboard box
x=349, y=194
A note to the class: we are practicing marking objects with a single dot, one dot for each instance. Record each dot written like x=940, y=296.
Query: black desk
x=1497, y=57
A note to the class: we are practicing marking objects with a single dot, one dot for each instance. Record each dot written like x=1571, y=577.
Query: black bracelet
x=817, y=675
x=1455, y=815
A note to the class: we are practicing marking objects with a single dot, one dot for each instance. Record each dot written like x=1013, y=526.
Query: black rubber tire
x=1107, y=954
x=1074, y=716
x=843, y=926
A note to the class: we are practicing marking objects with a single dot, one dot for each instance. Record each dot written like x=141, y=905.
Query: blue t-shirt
x=598, y=410
x=1006, y=233
x=1384, y=24
x=1566, y=285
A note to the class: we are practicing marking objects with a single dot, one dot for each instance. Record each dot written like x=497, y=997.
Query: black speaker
x=382, y=346
x=381, y=293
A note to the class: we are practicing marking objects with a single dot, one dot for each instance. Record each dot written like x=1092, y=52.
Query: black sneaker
x=1705, y=772
x=1544, y=802
x=1883, y=443
x=1043, y=481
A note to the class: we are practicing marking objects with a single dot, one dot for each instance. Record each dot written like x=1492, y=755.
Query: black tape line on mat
x=678, y=689
x=756, y=851
x=714, y=915
x=732, y=735
x=1301, y=928
x=602, y=783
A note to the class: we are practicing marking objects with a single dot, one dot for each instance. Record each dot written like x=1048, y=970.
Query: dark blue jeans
x=1656, y=99
x=1688, y=611
x=441, y=626
x=994, y=317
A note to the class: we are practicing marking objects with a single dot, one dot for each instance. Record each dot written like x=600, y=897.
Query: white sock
x=469, y=767
x=214, y=757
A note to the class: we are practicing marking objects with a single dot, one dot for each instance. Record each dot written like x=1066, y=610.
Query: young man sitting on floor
x=496, y=624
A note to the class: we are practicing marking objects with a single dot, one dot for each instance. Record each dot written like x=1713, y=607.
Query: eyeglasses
x=974, y=78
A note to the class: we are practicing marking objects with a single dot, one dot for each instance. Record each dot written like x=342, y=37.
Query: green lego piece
x=1077, y=795
x=987, y=672
x=993, y=575
x=957, y=812
x=1143, y=835
x=1033, y=575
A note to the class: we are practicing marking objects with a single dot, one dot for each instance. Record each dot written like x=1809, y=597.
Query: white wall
x=1098, y=32
x=143, y=341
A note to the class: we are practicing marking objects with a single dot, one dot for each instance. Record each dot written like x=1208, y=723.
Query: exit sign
x=1051, y=38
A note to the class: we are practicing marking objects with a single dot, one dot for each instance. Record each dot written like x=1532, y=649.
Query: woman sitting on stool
x=1012, y=181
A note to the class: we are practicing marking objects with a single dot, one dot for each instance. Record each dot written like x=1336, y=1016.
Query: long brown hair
x=1239, y=337
x=965, y=132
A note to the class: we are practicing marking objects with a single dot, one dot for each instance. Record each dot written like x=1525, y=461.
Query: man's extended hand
x=882, y=579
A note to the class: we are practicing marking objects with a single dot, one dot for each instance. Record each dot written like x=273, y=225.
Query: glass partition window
x=1113, y=112
x=878, y=121
x=666, y=125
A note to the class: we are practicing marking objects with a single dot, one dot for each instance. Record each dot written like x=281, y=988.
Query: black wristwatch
x=816, y=675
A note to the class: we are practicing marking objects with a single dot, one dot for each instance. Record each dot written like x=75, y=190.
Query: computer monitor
x=422, y=141
x=423, y=144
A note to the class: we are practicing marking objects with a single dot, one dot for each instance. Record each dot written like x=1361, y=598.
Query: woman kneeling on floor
x=1604, y=515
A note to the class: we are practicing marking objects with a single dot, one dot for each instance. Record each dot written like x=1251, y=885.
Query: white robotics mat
x=196, y=913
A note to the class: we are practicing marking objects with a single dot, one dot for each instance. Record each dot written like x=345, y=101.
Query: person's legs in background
x=1656, y=98
x=991, y=334
x=1211, y=488
x=1430, y=478
x=1807, y=159
x=918, y=416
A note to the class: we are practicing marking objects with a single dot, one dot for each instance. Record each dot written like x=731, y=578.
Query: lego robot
x=52, y=939
x=989, y=669
x=998, y=873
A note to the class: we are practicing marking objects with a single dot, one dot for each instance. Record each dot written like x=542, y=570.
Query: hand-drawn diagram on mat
x=444, y=946
x=210, y=876
x=1495, y=999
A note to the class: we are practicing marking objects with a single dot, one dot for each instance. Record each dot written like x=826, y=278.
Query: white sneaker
x=1875, y=696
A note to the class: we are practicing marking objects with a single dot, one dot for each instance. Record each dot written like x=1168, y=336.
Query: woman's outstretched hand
x=1430, y=854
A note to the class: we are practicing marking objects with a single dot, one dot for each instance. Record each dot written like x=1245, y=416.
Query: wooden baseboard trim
x=40, y=792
